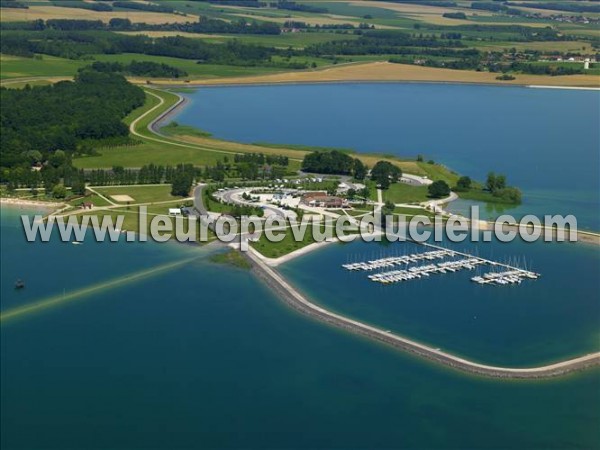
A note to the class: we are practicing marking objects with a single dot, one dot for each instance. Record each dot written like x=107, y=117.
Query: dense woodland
x=46, y=125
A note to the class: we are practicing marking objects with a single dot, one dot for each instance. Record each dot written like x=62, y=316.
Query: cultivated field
x=383, y=71
x=56, y=12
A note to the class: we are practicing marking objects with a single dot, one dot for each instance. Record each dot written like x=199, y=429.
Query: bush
x=438, y=189
x=463, y=184
x=59, y=191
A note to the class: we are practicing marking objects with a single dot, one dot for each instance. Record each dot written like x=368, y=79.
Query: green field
x=140, y=194
x=405, y=193
x=96, y=200
x=44, y=65
x=287, y=245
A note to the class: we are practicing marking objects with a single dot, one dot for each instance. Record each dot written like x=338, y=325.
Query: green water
x=204, y=356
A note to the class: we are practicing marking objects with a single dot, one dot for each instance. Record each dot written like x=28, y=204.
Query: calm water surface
x=545, y=140
x=204, y=356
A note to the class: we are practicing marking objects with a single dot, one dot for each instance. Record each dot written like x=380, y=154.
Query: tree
x=328, y=162
x=383, y=172
x=34, y=156
x=438, y=189
x=509, y=195
x=463, y=183
x=58, y=158
x=360, y=170
x=365, y=193
x=78, y=186
x=59, y=191
x=388, y=208
x=495, y=182
x=182, y=184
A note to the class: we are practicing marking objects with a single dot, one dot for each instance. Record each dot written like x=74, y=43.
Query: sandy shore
x=29, y=203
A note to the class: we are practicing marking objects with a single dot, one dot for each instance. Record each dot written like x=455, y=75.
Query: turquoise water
x=205, y=357
x=545, y=140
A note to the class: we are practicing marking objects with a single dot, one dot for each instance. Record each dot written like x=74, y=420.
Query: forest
x=37, y=121
x=334, y=162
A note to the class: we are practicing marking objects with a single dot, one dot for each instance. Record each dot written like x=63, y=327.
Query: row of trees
x=140, y=69
x=247, y=167
x=334, y=162
x=147, y=174
x=260, y=158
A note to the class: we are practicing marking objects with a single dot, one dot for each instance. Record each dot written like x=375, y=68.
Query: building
x=323, y=200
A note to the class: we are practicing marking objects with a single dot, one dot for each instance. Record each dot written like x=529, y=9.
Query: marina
x=513, y=274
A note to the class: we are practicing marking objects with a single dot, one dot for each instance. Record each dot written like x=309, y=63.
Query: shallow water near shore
x=205, y=356
x=545, y=140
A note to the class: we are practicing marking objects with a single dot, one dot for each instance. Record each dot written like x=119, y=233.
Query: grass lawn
x=405, y=193
x=146, y=153
x=41, y=65
x=410, y=212
x=92, y=198
x=438, y=172
x=140, y=194
x=287, y=245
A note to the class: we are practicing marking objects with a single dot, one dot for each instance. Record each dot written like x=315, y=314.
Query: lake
x=545, y=140
x=205, y=356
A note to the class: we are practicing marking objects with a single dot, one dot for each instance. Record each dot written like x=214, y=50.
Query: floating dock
x=401, y=272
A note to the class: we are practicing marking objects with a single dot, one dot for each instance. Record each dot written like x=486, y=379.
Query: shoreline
x=222, y=83
x=294, y=299
x=15, y=202
x=382, y=71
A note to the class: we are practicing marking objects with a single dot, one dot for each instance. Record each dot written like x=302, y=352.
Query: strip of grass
x=438, y=172
x=174, y=129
